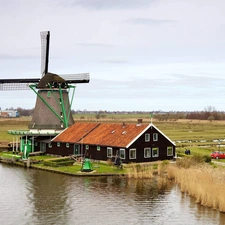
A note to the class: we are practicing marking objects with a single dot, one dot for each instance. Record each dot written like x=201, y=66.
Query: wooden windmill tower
x=53, y=107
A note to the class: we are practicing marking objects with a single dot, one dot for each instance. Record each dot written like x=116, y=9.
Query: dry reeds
x=201, y=181
x=147, y=170
x=140, y=171
x=156, y=171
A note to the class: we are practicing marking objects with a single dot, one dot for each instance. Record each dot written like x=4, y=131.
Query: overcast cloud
x=141, y=54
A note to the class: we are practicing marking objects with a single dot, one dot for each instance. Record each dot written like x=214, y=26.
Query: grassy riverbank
x=133, y=170
x=39, y=162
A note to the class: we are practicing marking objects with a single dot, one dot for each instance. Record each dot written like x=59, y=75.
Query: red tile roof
x=104, y=134
x=75, y=132
x=114, y=134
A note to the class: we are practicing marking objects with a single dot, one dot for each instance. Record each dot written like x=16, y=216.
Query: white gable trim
x=150, y=125
x=138, y=136
x=164, y=135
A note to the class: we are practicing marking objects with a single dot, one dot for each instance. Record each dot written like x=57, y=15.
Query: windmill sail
x=45, y=42
x=17, y=84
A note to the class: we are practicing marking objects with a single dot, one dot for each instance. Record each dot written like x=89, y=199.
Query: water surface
x=29, y=196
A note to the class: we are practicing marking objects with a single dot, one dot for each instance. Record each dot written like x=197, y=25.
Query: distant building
x=9, y=113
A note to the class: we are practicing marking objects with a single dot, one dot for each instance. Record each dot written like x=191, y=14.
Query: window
x=67, y=145
x=132, y=154
x=155, y=152
x=109, y=152
x=98, y=148
x=122, y=153
x=50, y=145
x=87, y=147
x=147, y=152
x=169, y=151
x=147, y=137
x=155, y=137
x=58, y=144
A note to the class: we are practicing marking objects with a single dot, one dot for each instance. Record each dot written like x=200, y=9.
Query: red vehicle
x=218, y=155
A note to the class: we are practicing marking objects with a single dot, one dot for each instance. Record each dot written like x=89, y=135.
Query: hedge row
x=59, y=162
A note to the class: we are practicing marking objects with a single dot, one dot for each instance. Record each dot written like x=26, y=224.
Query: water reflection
x=48, y=196
x=39, y=197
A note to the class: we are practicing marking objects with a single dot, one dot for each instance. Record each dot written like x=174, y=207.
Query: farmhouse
x=133, y=142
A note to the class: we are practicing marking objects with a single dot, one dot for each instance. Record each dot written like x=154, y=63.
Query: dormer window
x=155, y=136
x=147, y=137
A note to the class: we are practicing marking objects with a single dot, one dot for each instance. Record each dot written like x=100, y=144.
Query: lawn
x=98, y=167
x=12, y=124
x=185, y=133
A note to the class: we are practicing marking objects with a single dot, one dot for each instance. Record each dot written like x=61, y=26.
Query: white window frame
x=86, y=147
x=145, y=149
x=131, y=150
x=109, y=152
x=170, y=148
x=58, y=144
x=155, y=136
x=67, y=145
x=157, y=152
x=147, y=137
x=98, y=148
x=124, y=153
x=50, y=145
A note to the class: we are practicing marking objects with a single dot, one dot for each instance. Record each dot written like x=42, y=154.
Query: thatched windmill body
x=52, y=112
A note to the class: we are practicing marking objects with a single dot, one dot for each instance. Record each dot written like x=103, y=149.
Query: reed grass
x=155, y=171
x=201, y=181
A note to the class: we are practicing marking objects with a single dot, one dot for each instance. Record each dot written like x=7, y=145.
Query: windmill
x=53, y=107
x=52, y=112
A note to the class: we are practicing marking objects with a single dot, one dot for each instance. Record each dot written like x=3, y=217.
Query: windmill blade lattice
x=45, y=42
x=14, y=86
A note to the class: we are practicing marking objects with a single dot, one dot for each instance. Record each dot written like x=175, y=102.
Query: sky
x=142, y=55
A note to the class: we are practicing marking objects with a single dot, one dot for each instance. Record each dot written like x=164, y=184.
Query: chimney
x=139, y=121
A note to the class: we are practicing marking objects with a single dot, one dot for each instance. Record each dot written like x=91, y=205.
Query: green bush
x=190, y=160
x=62, y=161
x=59, y=163
x=207, y=158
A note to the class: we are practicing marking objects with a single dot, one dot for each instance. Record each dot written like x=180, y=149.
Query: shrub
x=56, y=164
x=63, y=161
x=188, y=161
x=207, y=158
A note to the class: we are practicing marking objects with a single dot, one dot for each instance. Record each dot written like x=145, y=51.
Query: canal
x=29, y=196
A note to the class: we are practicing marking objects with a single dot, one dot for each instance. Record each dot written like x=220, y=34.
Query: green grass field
x=192, y=133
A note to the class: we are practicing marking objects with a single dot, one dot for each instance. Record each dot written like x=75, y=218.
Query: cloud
x=95, y=45
x=17, y=57
x=115, y=61
x=149, y=21
x=175, y=87
x=109, y=4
